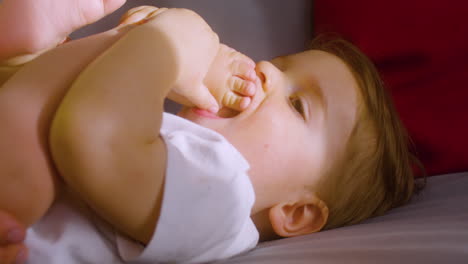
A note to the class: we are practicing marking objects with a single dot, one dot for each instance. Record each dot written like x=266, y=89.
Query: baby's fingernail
x=252, y=74
x=245, y=102
x=21, y=257
x=251, y=89
x=15, y=236
x=141, y=22
x=213, y=109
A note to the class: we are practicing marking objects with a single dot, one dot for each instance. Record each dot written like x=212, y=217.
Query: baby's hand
x=197, y=47
x=232, y=79
x=140, y=15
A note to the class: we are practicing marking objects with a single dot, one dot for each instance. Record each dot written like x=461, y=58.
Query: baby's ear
x=301, y=217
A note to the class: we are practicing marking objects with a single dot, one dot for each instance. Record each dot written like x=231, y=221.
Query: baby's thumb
x=203, y=99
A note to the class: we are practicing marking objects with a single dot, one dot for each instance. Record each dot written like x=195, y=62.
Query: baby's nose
x=267, y=74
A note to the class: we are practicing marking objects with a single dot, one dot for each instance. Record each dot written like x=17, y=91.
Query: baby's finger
x=242, y=86
x=239, y=56
x=244, y=70
x=157, y=12
x=14, y=254
x=236, y=102
x=140, y=15
x=130, y=17
x=203, y=99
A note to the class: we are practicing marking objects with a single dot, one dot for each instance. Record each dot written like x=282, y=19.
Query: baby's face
x=299, y=120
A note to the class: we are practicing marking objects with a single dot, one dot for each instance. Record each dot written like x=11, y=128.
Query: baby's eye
x=296, y=102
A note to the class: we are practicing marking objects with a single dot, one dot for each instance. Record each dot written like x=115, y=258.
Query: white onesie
x=205, y=212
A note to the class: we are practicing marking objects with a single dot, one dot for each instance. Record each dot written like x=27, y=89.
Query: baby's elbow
x=63, y=137
x=73, y=146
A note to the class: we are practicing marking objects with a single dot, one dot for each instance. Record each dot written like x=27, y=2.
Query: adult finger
x=13, y=254
x=11, y=231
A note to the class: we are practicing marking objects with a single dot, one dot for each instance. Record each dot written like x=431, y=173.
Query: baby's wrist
x=18, y=60
x=22, y=59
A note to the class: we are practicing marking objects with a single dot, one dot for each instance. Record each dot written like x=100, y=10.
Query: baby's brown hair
x=375, y=173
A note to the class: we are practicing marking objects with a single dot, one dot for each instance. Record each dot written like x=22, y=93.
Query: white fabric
x=210, y=219
x=205, y=213
x=66, y=235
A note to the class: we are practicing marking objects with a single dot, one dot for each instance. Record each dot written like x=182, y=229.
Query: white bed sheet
x=432, y=228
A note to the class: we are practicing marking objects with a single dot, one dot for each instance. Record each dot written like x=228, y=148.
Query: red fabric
x=421, y=49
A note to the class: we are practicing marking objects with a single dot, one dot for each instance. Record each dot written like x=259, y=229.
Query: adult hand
x=12, y=235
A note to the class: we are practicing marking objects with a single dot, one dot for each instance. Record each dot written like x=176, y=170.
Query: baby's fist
x=231, y=79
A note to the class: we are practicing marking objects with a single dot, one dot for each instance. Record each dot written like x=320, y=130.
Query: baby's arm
x=104, y=138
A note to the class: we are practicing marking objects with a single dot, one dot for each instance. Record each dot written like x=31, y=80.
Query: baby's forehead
x=310, y=58
x=340, y=91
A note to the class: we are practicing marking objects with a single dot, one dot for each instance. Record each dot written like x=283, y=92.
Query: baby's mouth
x=223, y=113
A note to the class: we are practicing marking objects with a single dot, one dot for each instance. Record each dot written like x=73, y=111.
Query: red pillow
x=421, y=50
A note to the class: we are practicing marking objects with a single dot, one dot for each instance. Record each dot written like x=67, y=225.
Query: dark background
x=261, y=29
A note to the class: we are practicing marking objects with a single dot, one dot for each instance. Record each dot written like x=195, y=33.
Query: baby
x=324, y=144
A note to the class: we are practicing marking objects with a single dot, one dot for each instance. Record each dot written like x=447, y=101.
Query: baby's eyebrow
x=316, y=90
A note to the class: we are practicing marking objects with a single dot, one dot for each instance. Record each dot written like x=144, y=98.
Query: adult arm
x=26, y=24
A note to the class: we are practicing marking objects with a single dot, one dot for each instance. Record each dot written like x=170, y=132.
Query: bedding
x=432, y=228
